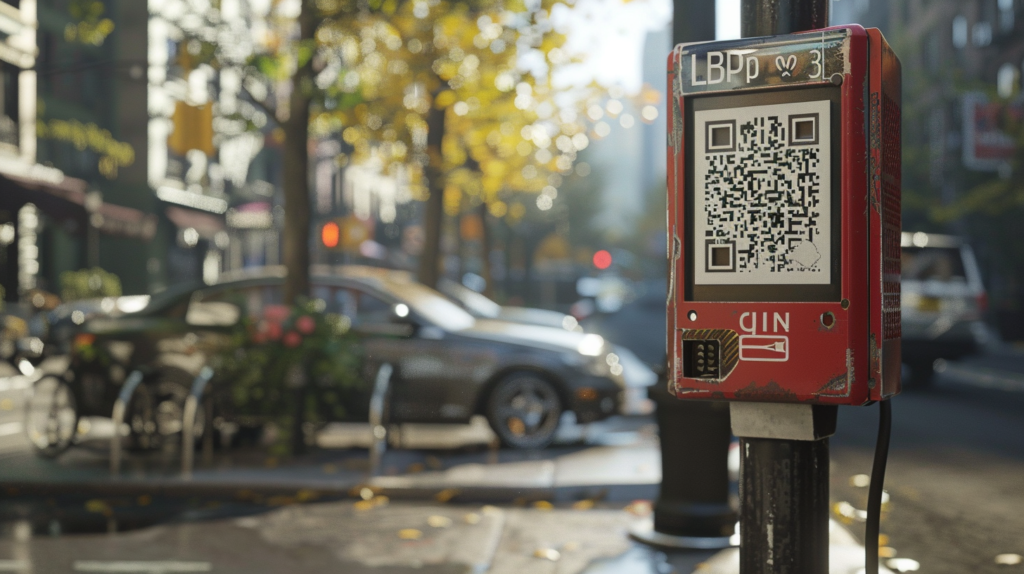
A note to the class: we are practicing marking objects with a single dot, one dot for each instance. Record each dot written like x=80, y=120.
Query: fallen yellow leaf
x=438, y=521
x=446, y=494
x=547, y=554
x=410, y=534
x=1009, y=559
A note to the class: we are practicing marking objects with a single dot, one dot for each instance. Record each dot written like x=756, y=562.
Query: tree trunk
x=485, y=263
x=296, y=170
x=433, y=216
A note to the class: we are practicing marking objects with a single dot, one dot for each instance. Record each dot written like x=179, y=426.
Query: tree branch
x=267, y=109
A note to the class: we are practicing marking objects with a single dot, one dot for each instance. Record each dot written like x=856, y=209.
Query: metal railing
x=188, y=423
x=120, y=408
x=378, y=417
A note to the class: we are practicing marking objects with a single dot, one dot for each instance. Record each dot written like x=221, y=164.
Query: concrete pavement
x=378, y=535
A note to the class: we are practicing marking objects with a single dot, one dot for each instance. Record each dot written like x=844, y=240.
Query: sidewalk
x=381, y=536
x=626, y=467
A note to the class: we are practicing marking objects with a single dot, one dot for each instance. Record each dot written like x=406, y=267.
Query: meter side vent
x=891, y=222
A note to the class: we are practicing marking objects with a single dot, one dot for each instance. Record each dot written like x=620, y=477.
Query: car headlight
x=591, y=345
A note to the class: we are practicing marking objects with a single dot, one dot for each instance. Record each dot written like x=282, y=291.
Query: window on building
x=981, y=34
x=1006, y=80
x=960, y=32
x=9, y=106
x=1006, y=15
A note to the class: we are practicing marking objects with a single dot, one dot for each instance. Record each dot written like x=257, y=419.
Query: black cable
x=871, y=528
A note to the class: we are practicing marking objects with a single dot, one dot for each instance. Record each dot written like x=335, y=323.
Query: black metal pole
x=693, y=21
x=783, y=506
x=784, y=483
x=694, y=498
x=784, y=474
x=692, y=509
x=771, y=17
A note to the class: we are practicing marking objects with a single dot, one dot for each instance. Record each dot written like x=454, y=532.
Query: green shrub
x=287, y=356
x=89, y=284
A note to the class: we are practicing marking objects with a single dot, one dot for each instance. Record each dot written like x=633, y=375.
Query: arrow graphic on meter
x=764, y=348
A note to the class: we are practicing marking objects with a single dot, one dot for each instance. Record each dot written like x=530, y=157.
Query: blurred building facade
x=963, y=61
x=213, y=155
x=62, y=148
x=92, y=126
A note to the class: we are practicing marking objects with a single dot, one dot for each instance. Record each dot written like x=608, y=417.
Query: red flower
x=292, y=339
x=276, y=313
x=305, y=324
x=273, y=331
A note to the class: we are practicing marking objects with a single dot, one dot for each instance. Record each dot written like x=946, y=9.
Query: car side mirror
x=212, y=314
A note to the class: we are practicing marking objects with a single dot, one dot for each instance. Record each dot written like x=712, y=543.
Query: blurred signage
x=191, y=199
x=330, y=234
x=471, y=227
x=346, y=233
x=255, y=215
x=193, y=129
x=124, y=221
x=986, y=146
x=412, y=240
x=354, y=231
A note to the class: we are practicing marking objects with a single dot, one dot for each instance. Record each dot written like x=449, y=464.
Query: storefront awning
x=57, y=196
x=63, y=198
x=206, y=224
x=125, y=221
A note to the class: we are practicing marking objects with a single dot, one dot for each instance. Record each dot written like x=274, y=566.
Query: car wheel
x=524, y=411
x=51, y=416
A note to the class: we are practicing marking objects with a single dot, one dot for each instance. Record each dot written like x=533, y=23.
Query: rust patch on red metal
x=772, y=392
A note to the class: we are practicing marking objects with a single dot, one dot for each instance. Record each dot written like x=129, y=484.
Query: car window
x=476, y=303
x=933, y=264
x=171, y=302
x=361, y=307
x=252, y=299
x=212, y=314
x=430, y=304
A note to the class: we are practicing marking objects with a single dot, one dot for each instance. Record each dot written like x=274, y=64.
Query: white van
x=942, y=304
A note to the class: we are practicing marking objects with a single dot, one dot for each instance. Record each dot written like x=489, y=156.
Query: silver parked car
x=942, y=304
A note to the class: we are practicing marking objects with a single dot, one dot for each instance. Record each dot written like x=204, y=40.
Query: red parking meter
x=784, y=218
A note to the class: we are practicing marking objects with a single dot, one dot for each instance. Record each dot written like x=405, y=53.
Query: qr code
x=763, y=195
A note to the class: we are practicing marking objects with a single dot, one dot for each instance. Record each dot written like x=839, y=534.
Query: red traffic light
x=330, y=234
x=602, y=259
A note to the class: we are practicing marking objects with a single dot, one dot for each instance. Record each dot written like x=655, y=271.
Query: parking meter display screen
x=763, y=195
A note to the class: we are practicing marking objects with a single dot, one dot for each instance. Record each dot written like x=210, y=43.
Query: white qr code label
x=762, y=195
